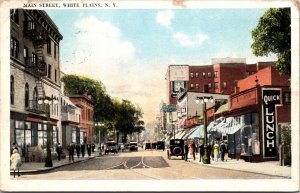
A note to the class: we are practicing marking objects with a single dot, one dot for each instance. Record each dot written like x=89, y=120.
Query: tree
x=273, y=35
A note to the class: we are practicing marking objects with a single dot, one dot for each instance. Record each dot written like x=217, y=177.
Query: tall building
x=219, y=77
x=34, y=70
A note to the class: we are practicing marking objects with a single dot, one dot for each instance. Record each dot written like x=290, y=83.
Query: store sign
x=270, y=98
x=179, y=72
x=169, y=108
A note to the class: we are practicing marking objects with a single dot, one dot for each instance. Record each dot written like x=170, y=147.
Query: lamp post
x=47, y=101
x=204, y=100
x=99, y=124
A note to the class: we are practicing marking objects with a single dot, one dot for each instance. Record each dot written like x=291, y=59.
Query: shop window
x=34, y=134
x=14, y=15
x=12, y=90
x=54, y=135
x=40, y=134
x=287, y=98
x=14, y=47
x=28, y=134
x=26, y=95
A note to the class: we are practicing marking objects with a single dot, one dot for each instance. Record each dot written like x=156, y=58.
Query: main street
x=141, y=165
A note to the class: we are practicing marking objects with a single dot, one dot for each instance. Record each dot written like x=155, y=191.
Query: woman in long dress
x=15, y=161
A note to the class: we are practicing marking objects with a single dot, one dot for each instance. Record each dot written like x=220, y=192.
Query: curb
x=241, y=170
x=42, y=171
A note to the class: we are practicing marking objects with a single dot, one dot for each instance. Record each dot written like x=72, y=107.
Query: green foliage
x=273, y=35
x=285, y=139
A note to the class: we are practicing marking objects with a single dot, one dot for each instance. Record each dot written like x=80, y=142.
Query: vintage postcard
x=173, y=95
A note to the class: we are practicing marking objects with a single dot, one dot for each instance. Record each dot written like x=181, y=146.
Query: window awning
x=189, y=132
x=198, y=133
x=226, y=126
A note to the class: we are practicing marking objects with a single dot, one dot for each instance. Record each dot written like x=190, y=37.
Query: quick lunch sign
x=270, y=98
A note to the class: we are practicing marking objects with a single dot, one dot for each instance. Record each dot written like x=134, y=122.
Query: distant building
x=34, y=70
x=219, y=77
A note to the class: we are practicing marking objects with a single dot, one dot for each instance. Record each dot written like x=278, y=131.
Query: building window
x=287, y=98
x=247, y=73
x=12, y=90
x=209, y=74
x=192, y=75
x=26, y=95
x=55, y=50
x=197, y=74
x=203, y=74
x=26, y=54
x=34, y=59
x=216, y=74
x=49, y=46
x=209, y=85
x=224, y=85
x=216, y=85
x=49, y=71
x=14, y=47
x=55, y=75
x=14, y=15
x=192, y=86
x=197, y=86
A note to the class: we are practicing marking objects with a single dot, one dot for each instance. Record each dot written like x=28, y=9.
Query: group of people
x=216, y=151
x=80, y=148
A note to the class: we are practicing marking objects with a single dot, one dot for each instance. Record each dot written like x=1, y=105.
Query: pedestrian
x=201, y=151
x=194, y=149
x=14, y=146
x=226, y=152
x=222, y=150
x=77, y=147
x=58, y=151
x=93, y=147
x=216, y=151
x=71, y=148
x=186, y=151
x=15, y=161
x=89, y=149
x=82, y=148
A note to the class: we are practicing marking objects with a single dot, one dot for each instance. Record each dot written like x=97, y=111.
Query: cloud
x=100, y=51
x=164, y=18
x=186, y=41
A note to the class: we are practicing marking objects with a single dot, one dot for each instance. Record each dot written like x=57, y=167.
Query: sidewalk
x=39, y=167
x=269, y=168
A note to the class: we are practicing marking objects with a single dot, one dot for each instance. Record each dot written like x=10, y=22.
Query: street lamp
x=204, y=100
x=47, y=101
x=99, y=124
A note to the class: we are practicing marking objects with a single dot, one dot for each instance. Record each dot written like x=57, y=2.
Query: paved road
x=141, y=165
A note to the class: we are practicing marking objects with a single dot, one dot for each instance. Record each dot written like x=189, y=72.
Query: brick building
x=220, y=77
x=86, y=116
x=251, y=121
x=34, y=70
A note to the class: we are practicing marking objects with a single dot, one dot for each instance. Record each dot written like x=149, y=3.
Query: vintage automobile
x=176, y=148
x=111, y=147
x=160, y=145
x=153, y=145
x=133, y=146
x=148, y=146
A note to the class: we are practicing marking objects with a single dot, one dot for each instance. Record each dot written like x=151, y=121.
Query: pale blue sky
x=129, y=50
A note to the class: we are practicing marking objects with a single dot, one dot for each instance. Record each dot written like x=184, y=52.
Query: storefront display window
x=54, y=134
x=73, y=135
x=34, y=134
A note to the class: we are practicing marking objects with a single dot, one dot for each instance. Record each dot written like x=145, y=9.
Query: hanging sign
x=169, y=108
x=270, y=98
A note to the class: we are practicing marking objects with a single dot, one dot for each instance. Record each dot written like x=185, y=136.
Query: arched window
x=26, y=95
x=12, y=90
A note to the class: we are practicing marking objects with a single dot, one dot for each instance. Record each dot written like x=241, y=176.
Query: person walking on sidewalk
x=89, y=149
x=222, y=150
x=193, y=149
x=216, y=151
x=186, y=151
x=93, y=147
x=58, y=151
x=15, y=161
x=77, y=147
x=201, y=151
x=226, y=152
x=71, y=148
x=82, y=148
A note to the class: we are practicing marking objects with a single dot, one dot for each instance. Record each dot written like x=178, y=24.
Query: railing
x=36, y=66
x=33, y=106
x=35, y=32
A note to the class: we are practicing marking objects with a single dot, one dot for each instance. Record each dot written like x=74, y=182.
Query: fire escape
x=35, y=64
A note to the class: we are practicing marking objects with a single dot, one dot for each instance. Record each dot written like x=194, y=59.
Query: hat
x=15, y=151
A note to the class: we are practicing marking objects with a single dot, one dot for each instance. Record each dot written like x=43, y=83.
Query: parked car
x=148, y=146
x=176, y=148
x=153, y=145
x=111, y=147
x=133, y=146
x=160, y=145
